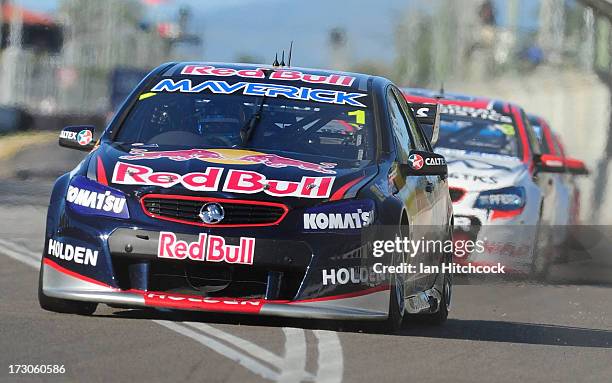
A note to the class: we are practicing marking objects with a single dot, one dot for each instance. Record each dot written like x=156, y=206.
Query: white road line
x=242, y=359
x=20, y=256
x=293, y=365
x=20, y=249
x=243, y=344
x=29, y=258
x=330, y=362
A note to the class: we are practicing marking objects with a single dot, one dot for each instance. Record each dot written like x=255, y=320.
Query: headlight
x=89, y=197
x=510, y=198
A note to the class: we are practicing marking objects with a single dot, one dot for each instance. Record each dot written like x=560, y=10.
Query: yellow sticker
x=507, y=129
x=146, y=95
x=359, y=116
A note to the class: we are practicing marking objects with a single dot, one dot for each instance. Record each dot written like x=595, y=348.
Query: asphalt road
x=511, y=331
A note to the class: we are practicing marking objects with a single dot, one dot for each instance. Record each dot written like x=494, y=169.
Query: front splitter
x=64, y=284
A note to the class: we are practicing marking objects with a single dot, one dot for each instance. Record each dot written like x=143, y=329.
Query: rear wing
x=428, y=116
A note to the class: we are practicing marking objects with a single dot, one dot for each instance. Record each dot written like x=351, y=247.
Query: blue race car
x=251, y=189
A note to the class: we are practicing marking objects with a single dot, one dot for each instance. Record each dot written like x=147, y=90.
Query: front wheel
x=441, y=315
x=397, y=308
x=62, y=305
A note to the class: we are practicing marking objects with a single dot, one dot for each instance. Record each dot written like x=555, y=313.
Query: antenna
x=275, y=63
x=267, y=72
x=290, y=50
x=282, y=63
x=442, y=89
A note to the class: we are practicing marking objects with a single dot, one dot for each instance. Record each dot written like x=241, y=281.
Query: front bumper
x=368, y=304
x=508, y=239
x=118, y=261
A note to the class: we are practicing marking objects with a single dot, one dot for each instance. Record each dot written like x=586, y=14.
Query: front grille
x=209, y=280
x=456, y=194
x=186, y=209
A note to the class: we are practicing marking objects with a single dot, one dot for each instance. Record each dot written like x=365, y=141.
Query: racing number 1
x=359, y=116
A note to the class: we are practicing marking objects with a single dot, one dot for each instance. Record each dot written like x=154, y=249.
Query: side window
x=539, y=132
x=531, y=134
x=558, y=150
x=415, y=131
x=400, y=130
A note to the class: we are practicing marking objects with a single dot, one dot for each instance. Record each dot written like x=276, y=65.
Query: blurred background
x=74, y=61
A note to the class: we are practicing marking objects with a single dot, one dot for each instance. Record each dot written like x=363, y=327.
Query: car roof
x=361, y=79
x=537, y=119
x=421, y=95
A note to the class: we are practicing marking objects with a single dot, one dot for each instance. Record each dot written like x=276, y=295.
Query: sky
x=207, y=5
x=260, y=28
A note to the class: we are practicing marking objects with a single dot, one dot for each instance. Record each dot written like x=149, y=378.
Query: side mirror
x=548, y=163
x=428, y=116
x=422, y=163
x=80, y=137
x=575, y=166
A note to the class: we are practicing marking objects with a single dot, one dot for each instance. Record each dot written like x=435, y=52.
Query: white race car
x=497, y=176
x=563, y=189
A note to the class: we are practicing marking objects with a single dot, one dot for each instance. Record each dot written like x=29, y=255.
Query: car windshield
x=478, y=135
x=215, y=121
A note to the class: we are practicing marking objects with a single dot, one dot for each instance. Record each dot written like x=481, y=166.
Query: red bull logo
x=236, y=181
x=231, y=156
x=211, y=248
x=274, y=161
x=278, y=74
x=174, y=155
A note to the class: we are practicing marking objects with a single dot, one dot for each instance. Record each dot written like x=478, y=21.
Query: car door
x=437, y=193
x=413, y=190
x=436, y=184
x=543, y=180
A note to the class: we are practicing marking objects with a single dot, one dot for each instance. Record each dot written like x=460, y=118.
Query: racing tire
x=397, y=307
x=397, y=302
x=395, y=320
x=397, y=296
x=63, y=306
x=439, y=317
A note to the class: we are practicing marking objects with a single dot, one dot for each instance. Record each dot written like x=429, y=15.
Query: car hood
x=476, y=172
x=292, y=178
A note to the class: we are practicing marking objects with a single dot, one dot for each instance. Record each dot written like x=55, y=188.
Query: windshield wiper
x=246, y=132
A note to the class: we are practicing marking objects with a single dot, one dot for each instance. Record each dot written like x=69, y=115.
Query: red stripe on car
x=339, y=194
x=101, y=172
